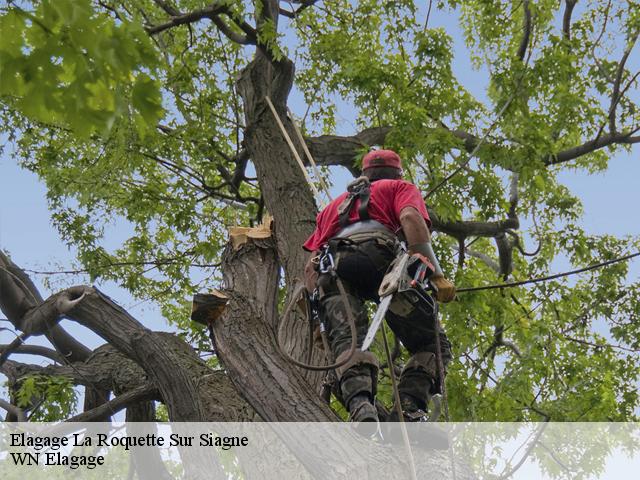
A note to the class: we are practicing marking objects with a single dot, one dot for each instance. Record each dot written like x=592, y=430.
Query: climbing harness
x=405, y=286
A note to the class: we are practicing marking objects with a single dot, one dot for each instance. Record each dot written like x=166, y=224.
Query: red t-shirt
x=388, y=198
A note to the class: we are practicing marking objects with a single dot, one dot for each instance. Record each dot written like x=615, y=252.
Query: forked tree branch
x=212, y=12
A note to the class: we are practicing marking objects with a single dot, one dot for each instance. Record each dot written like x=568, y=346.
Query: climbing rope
x=350, y=319
x=295, y=153
x=396, y=397
x=549, y=277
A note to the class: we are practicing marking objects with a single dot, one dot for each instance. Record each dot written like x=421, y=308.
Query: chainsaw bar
x=377, y=321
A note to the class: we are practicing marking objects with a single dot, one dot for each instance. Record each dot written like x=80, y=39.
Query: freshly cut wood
x=241, y=235
x=208, y=307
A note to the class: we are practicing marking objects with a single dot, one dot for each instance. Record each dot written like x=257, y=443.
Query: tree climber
x=362, y=228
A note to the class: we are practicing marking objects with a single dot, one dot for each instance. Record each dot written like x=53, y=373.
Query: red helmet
x=381, y=158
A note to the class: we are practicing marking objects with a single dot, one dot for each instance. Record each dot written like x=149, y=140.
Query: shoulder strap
x=359, y=188
x=363, y=209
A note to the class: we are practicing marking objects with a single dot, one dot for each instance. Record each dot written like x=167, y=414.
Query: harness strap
x=358, y=189
x=363, y=209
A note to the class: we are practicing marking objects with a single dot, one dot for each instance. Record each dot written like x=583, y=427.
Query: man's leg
x=420, y=377
x=358, y=377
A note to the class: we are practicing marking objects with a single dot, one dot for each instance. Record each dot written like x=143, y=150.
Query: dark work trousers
x=361, y=267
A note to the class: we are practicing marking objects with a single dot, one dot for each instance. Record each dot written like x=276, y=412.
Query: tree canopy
x=149, y=117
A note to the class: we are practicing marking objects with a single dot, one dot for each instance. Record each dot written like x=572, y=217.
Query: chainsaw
x=404, y=288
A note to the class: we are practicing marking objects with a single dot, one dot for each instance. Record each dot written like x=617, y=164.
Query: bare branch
x=616, y=95
x=19, y=296
x=37, y=350
x=104, y=411
x=78, y=374
x=566, y=19
x=490, y=262
x=194, y=16
x=11, y=348
x=591, y=146
x=517, y=245
x=524, y=43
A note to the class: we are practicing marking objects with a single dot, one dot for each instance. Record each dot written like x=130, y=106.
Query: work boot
x=364, y=415
x=412, y=410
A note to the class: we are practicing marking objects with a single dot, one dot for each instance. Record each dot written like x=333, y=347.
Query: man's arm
x=414, y=227
x=419, y=241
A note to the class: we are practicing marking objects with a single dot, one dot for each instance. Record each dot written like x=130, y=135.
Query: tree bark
x=288, y=197
x=246, y=340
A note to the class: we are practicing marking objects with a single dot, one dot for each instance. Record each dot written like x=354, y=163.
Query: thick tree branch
x=19, y=296
x=505, y=254
x=343, y=151
x=591, y=146
x=80, y=374
x=463, y=229
x=230, y=34
x=211, y=12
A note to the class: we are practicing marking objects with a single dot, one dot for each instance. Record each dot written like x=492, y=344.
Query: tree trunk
x=246, y=340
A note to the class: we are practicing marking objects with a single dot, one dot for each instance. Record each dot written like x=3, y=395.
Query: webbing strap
x=363, y=209
x=358, y=189
x=345, y=209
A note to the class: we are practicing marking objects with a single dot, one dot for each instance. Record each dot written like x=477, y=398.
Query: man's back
x=388, y=198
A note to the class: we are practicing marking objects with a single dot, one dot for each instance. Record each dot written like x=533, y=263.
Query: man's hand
x=445, y=290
